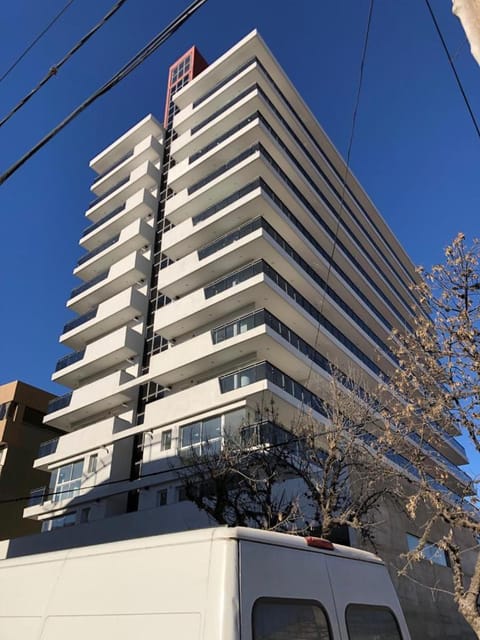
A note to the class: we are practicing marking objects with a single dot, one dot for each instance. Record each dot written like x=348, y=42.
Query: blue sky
x=415, y=149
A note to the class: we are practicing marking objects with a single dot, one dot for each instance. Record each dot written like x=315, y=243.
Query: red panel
x=181, y=72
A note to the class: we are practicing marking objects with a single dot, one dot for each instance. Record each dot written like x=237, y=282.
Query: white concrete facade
x=251, y=282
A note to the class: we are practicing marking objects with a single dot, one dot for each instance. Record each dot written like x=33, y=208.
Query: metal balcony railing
x=76, y=322
x=47, y=448
x=37, y=496
x=114, y=166
x=95, y=225
x=59, y=403
x=69, y=359
x=97, y=250
x=86, y=285
x=116, y=186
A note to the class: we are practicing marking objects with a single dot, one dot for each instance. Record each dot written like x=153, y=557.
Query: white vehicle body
x=211, y=584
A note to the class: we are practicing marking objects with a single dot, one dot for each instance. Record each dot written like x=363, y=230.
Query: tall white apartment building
x=225, y=266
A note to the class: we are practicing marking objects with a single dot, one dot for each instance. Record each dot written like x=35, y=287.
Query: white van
x=211, y=584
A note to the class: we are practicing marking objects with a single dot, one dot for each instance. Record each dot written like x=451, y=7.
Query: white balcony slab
x=147, y=126
x=137, y=235
x=148, y=149
x=122, y=275
x=78, y=443
x=94, y=399
x=106, y=353
x=115, y=312
x=146, y=176
x=141, y=205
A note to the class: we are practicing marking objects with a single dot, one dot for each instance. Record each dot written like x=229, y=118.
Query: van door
x=285, y=594
x=365, y=599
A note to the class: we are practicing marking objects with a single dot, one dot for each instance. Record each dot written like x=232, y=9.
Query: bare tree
x=436, y=392
x=314, y=475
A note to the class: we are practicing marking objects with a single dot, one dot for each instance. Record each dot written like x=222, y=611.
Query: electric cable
x=131, y=65
x=53, y=71
x=346, y=173
x=35, y=40
x=452, y=65
x=184, y=467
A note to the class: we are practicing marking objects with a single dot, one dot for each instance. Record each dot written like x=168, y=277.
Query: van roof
x=197, y=535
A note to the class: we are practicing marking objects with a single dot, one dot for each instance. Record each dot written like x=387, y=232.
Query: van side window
x=285, y=619
x=365, y=622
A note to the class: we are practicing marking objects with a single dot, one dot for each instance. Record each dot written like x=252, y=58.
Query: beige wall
x=17, y=476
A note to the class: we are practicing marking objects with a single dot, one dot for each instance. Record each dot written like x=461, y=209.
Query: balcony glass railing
x=263, y=267
x=116, y=186
x=94, y=252
x=113, y=166
x=224, y=108
x=99, y=223
x=37, y=496
x=223, y=82
x=212, y=210
x=260, y=223
x=59, y=403
x=297, y=118
x=76, y=322
x=69, y=359
x=263, y=433
x=47, y=448
x=218, y=172
x=220, y=139
x=436, y=455
x=266, y=371
x=86, y=285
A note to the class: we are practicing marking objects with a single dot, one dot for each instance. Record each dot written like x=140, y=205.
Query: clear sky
x=415, y=149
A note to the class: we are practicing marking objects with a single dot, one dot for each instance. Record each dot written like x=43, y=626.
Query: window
x=166, y=440
x=65, y=481
x=430, y=552
x=3, y=456
x=33, y=416
x=85, y=515
x=67, y=520
x=365, y=622
x=162, y=496
x=203, y=436
x=92, y=463
x=282, y=619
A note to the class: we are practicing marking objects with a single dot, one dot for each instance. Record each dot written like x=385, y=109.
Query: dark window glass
x=365, y=622
x=283, y=619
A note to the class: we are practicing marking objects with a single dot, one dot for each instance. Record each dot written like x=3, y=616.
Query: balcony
x=185, y=205
x=258, y=335
x=137, y=235
x=126, y=306
x=220, y=218
x=47, y=448
x=78, y=443
x=94, y=399
x=104, y=162
x=146, y=176
x=140, y=205
x=122, y=275
x=148, y=149
x=105, y=354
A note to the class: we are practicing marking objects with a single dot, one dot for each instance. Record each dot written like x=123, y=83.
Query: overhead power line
x=56, y=67
x=452, y=65
x=347, y=168
x=133, y=63
x=35, y=40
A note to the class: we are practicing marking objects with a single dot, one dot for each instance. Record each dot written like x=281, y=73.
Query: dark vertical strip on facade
x=180, y=73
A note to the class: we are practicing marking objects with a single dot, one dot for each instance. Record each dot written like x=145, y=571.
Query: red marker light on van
x=319, y=543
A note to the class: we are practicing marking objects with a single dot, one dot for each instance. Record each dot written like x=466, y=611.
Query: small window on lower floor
x=430, y=551
x=85, y=515
x=166, y=440
x=367, y=622
x=162, y=497
x=285, y=619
